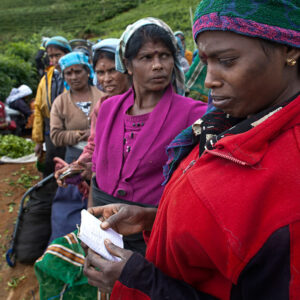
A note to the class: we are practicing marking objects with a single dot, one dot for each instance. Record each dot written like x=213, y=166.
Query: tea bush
x=14, y=71
x=23, y=23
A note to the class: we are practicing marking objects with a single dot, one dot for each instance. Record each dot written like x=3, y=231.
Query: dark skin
x=244, y=80
x=77, y=78
x=151, y=72
x=116, y=83
x=125, y=219
x=239, y=71
x=112, y=81
x=54, y=55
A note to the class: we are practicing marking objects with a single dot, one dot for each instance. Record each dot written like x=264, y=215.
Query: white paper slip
x=93, y=235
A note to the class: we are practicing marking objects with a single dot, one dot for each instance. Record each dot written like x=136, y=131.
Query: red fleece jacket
x=217, y=214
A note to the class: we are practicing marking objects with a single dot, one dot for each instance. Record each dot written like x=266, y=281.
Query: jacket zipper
x=192, y=163
x=186, y=169
x=235, y=160
x=189, y=166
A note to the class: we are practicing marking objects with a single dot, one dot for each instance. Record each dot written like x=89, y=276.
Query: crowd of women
x=207, y=201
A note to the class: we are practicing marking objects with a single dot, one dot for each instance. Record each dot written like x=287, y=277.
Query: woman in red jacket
x=228, y=223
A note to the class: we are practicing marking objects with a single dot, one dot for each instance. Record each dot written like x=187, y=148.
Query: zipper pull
x=189, y=166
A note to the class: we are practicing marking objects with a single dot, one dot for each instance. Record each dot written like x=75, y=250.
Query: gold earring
x=291, y=62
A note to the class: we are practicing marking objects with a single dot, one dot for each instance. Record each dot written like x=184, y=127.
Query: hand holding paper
x=93, y=235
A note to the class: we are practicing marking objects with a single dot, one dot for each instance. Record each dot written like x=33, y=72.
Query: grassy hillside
x=24, y=22
x=29, y=16
x=19, y=19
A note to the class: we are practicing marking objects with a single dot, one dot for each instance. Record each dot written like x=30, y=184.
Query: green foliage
x=70, y=16
x=26, y=180
x=175, y=13
x=22, y=50
x=14, y=282
x=88, y=18
x=14, y=71
x=14, y=146
x=23, y=23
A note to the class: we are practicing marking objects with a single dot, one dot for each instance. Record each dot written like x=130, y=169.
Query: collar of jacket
x=248, y=148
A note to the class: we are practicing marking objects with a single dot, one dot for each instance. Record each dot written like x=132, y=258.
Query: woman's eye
x=145, y=57
x=165, y=55
x=227, y=62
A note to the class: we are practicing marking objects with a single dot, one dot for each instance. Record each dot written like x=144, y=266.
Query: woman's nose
x=107, y=77
x=73, y=75
x=212, y=79
x=156, y=64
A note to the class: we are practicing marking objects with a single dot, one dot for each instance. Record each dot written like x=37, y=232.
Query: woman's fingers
x=105, y=210
x=117, y=251
x=95, y=277
x=112, y=221
x=107, y=272
x=60, y=161
x=95, y=259
x=81, y=163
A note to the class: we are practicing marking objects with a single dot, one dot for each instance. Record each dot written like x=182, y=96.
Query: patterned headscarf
x=273, y=20
x=59, y=41
x=178, y=32
x=75, y=58
x=127, y=34
x=179, y=45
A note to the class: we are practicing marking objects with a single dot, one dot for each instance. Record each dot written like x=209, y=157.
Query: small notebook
x=93, y=235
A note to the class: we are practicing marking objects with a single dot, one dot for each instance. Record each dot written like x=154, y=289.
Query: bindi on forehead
x=73, y=69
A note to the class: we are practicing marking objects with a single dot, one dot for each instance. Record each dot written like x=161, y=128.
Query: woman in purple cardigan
x=134, y=129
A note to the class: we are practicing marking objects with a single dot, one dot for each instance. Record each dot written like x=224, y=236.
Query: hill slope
x=88, y=18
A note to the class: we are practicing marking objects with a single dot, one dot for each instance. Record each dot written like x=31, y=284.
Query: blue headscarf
x=59, y=41
x=109, y=45
x=179, y=44
x=75, y=58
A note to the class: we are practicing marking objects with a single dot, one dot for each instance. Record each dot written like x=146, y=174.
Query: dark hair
x=99, y=54
x=86, y=68
x=90, y=80
x=153, y=33
x=65, y=50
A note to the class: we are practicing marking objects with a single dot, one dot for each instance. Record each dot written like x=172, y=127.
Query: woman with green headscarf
x=228, y=224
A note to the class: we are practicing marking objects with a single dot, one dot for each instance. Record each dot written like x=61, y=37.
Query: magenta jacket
x=139, y=178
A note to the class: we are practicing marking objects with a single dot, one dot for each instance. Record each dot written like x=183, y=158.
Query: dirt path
x=18, y=283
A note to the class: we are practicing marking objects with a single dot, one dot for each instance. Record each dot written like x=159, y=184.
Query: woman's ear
x=292, y=54
x=128, y=66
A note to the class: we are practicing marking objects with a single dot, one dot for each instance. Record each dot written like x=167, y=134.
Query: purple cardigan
x=139, y=178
